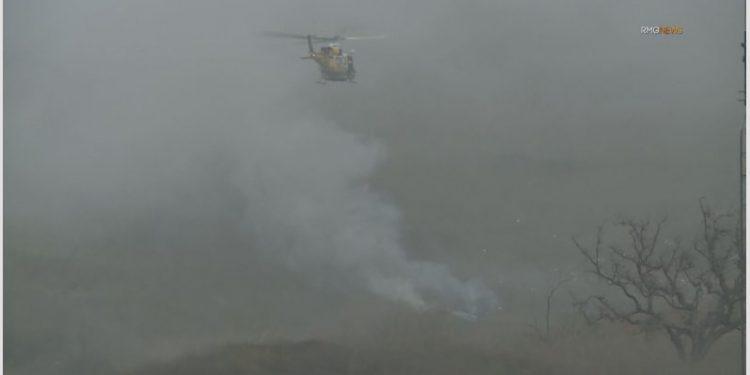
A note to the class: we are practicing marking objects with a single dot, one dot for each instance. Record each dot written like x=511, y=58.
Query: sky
x=174, y=179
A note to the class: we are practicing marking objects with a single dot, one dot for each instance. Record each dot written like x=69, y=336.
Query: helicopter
x=335, y=64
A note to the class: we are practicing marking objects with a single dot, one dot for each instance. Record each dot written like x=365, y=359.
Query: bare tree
x=550, y=294
x=553, y=288
x=695, y=295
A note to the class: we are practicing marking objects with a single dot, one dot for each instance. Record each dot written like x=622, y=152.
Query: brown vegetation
x=437, y=344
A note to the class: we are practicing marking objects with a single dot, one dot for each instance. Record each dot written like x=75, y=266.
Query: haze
x=175, y=181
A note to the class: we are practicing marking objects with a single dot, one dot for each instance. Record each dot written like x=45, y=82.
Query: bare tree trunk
x=551, y=294
x=677, y=343
x=549, y=307
x=699, y=349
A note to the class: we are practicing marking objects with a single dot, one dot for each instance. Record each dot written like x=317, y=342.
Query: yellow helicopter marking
x=335, y=64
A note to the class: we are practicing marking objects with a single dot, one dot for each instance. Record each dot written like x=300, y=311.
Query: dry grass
x=438, y=344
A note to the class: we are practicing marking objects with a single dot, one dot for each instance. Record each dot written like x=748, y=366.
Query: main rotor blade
x=315, y=38
x=323, y=39
x=372, y=37
x=276, y=34
x=320, y=39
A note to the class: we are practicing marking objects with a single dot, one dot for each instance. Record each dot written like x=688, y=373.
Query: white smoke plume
x=310, y=207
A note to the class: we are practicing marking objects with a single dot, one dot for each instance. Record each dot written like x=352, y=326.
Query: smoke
x=167, y=243
x=173, y=182
x=310, y=207
x=185, y=196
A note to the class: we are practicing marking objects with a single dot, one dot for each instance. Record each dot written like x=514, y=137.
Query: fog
x=174, y=180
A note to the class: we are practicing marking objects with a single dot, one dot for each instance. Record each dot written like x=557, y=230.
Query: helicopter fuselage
x=334, y=63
